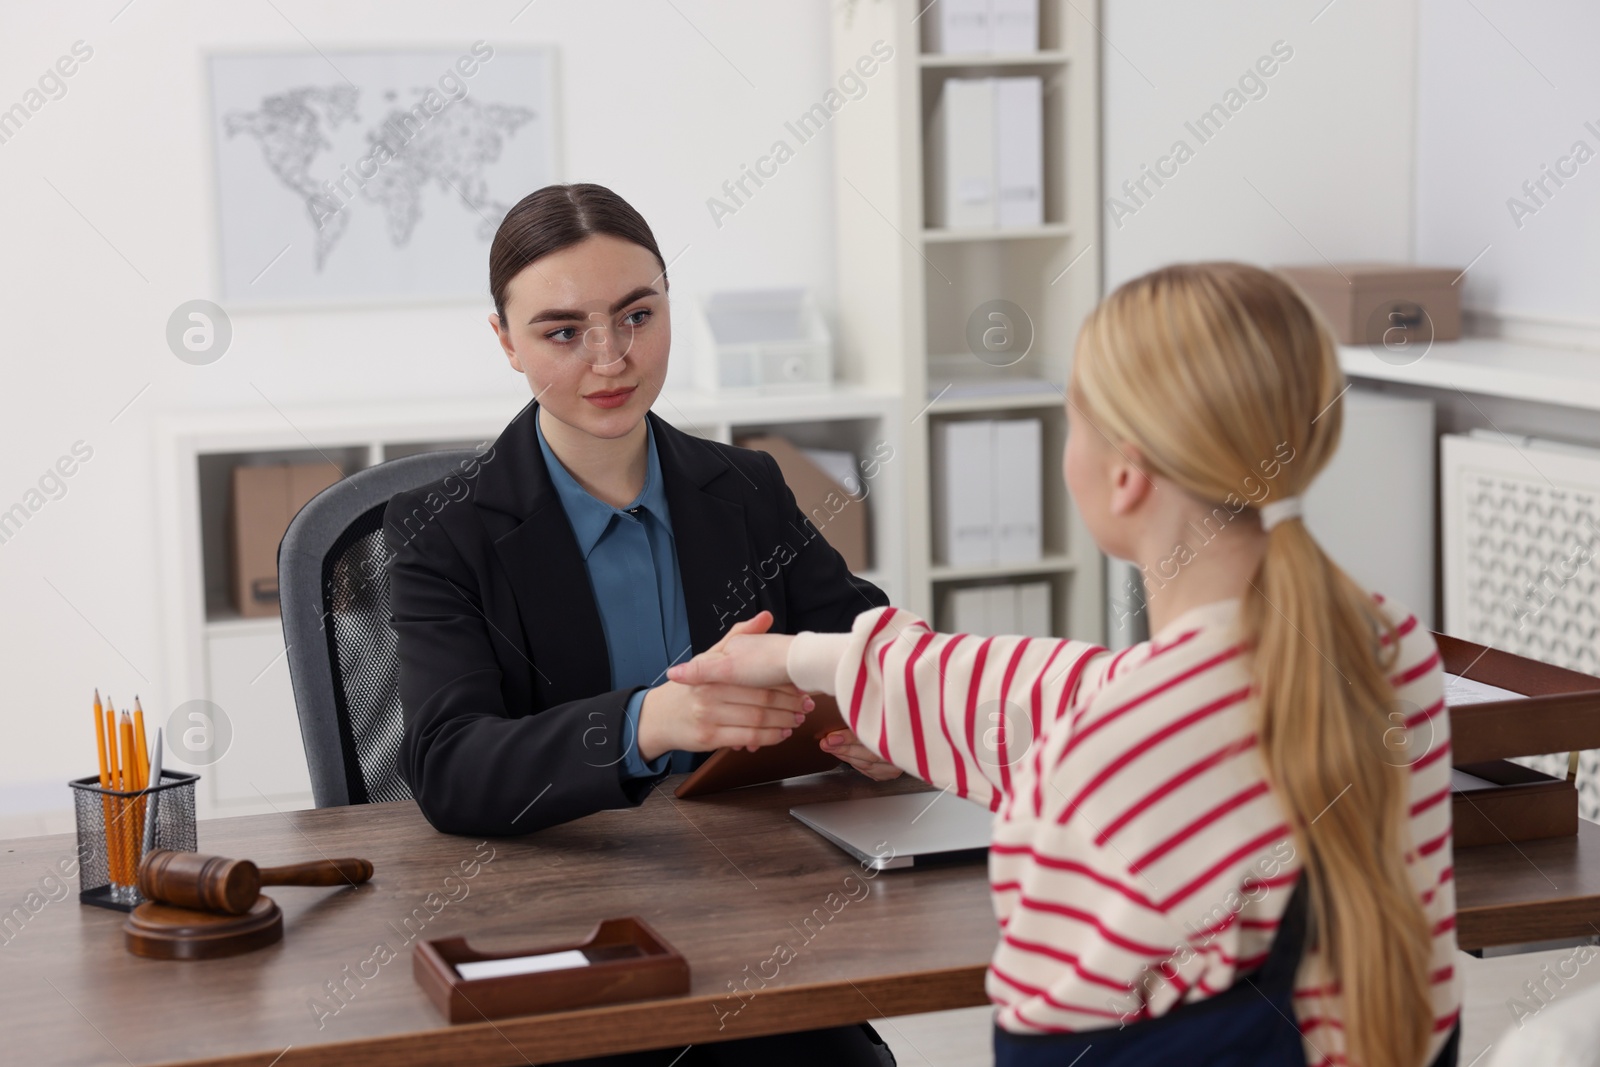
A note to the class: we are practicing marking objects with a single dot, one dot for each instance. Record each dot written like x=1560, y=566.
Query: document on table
x=548, y=961
x=1459, y=691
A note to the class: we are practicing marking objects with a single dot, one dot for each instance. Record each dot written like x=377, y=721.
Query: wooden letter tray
x=627, y=961
x=1560, y=713
x=1518, y=804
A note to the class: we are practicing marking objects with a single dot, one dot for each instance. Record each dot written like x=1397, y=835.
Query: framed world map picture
x=362, y=176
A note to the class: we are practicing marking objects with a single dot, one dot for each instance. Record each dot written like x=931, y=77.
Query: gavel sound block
x=201, y=907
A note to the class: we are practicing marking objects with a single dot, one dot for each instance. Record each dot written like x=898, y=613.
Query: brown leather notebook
x=800, y=753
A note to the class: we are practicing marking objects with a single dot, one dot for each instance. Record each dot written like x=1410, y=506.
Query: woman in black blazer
x=512, y=722
x=504, y=675
x=512, y=719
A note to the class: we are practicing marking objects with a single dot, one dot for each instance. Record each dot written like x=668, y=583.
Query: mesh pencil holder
x=111, y=834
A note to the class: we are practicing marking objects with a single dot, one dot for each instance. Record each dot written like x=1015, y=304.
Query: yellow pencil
x=100, y=741
x=114, y=828
x=128, y=763
x=105, y=775
x=141, y=751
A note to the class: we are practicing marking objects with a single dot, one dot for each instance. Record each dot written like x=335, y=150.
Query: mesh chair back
x=343, y=656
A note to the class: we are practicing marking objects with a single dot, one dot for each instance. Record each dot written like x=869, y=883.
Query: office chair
x=344, y=663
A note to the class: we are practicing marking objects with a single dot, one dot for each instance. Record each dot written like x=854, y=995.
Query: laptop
x=904, y=830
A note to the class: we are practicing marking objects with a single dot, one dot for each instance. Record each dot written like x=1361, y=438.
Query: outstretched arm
x=959, y=711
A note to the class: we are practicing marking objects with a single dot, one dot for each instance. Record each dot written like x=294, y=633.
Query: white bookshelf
x=906, y=288
x=240, y=664
x=1488, y=366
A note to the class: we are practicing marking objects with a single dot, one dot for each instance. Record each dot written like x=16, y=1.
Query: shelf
x=997, y=401
x=256, y=429
x=915, y=321
x=836, y=401
x=945, y=61
x=1491, y=367
x=1058, y=564
x=1050, y=230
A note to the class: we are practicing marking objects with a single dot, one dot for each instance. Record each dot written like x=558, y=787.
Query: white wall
x=1504, y=93
x=1318, y=166
x=655, y=103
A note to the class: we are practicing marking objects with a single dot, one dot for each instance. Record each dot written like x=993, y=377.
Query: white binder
x=1014, y=25
x=963, y=463
x=1018, y=486
x=967, y=611
x=1001, y=608
x=961, y=156
x=958, y=27
x=1033, y=609
x=1019, y=151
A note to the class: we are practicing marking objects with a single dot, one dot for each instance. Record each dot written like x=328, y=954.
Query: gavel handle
x=318, y=872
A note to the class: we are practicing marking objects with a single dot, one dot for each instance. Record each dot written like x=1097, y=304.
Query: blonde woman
x=1229, y=844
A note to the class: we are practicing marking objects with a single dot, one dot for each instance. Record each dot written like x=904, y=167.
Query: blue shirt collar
x=590, y=516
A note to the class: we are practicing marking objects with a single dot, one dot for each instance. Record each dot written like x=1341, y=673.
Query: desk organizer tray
x=626, y=960
x=1558, y=712
x=1510, y=802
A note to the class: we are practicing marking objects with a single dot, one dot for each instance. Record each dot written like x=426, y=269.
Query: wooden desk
x=726, y=880
x=1530, y=891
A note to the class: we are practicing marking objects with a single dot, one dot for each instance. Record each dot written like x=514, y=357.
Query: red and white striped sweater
x=1139, y=858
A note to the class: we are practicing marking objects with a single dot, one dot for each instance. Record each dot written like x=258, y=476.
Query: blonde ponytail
x=1212, y=370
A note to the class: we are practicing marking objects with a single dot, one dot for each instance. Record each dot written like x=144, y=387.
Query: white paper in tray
x=548, y=961
x=1459, y=691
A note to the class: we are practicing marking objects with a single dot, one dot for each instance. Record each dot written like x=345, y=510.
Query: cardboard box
x=264, y=500
x=839, y=515
x=1390, y=304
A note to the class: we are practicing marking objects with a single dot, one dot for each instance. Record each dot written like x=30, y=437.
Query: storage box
x=264, y=499
x=1390, y=304
x=761, y=339
x=838, y=514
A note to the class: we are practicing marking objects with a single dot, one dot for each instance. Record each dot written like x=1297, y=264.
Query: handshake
x=738, y=695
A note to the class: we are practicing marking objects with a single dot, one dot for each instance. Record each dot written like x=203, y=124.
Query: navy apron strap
x=1250, y=1024
x=1289, y=943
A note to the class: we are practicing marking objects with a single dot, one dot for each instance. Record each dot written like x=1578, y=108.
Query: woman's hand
x=848, y=747
x=698, y=715
x=745, y=658
x=699, y=718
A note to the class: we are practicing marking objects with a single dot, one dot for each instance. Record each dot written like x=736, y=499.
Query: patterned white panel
x=1521, y=532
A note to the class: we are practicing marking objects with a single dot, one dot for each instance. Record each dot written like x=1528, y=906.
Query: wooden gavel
x=213, y=883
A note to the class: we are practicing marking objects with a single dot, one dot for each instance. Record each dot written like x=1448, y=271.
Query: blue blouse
x=633, y=568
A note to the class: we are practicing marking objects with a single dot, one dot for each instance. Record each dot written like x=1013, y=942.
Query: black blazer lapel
x=709, y=530
x=549, y=581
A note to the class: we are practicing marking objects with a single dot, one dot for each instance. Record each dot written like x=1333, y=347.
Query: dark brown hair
x=557, y=217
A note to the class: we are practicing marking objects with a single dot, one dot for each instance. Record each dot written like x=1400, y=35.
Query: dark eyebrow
x=561, y=314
